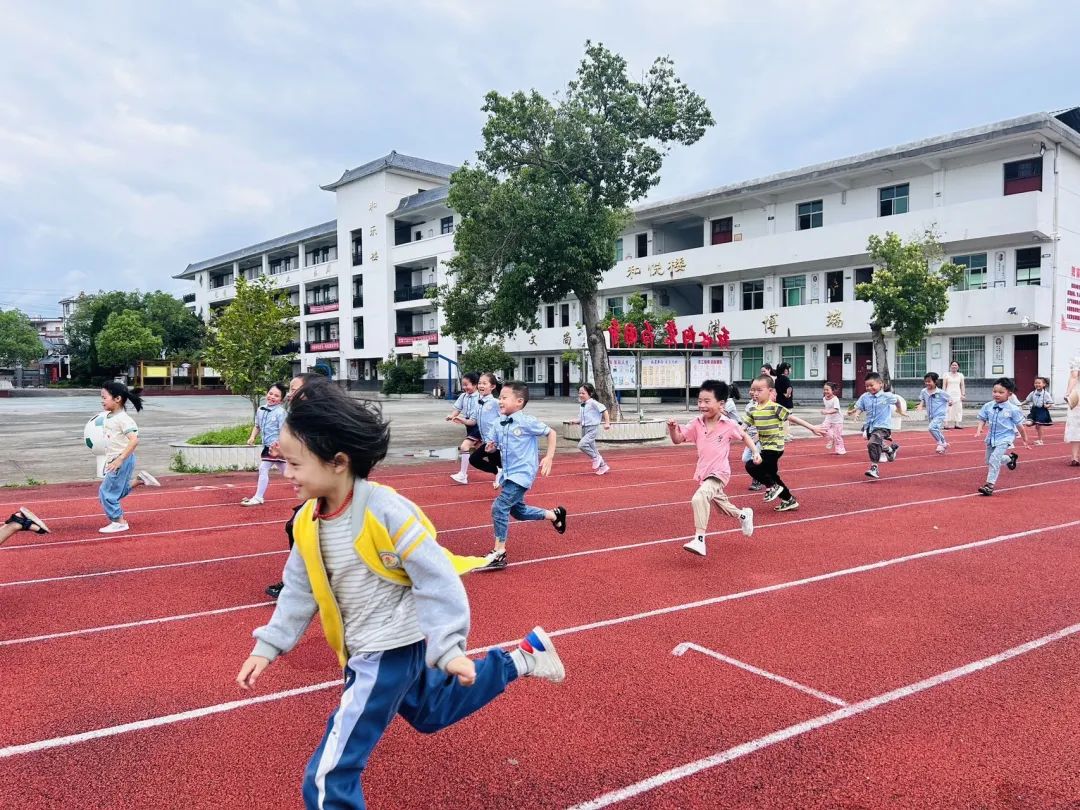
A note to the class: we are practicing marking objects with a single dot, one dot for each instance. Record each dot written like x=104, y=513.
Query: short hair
x=1046, y=381
x=328, y=421
x=872, y=375
x=471, y=376
x=765, y=378
x=932, y=375
x=718, y=388
x=519, y=389
x=590, y=389
x=834, y=387
x=1006, y=383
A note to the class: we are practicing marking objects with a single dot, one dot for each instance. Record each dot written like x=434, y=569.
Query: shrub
x=236, y=434
x=403, y=375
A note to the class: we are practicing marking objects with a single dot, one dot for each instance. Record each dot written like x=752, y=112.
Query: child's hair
x=279, y=386
x=783, y=368
x=834, y=387
x=933, y=376
x=1006, y=383
x=872, y=375
x=765, y=378
x=718, y=388
x=493, y=378
x=520, y=389
x=328, y=421
x=733, y=392
x=1046, y=381
x=767, y=366
x=471, y=376
x=117, y=390
x=589, y=389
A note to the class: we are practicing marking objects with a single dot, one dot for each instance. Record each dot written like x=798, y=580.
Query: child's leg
x=936, y=431
x=760, y=472
x=995, y=455
x=874, y=444
x=437, y=701
x=771, y=460
x=483, y=460
x=587, y=445
x=500, y=511
x=114, y=487
x=836, y=438
x=264, y=478
x=710, y=492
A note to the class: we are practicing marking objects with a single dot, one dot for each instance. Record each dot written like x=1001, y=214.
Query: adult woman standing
x=953, y=385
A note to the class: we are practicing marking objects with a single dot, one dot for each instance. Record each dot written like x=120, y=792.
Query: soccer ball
x=94, y=435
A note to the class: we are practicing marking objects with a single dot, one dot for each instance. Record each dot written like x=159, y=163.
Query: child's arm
x=607, y=419
x=675, y=432
x=545, y=463
x=133, y=441
x=751, y=445
x=815, y=429
x=982, y=421
x=253, y=434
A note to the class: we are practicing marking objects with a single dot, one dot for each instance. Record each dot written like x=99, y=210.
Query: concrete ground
x=42, y=435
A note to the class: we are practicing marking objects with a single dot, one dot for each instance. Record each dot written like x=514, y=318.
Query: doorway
x=549, y=386
x=834, y=364
x=864, y=361
x=565, y=379
x=1025, y=363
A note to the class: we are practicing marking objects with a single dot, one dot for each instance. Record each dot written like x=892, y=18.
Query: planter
x=643, y=401
x=218, y=456
x=635, y=431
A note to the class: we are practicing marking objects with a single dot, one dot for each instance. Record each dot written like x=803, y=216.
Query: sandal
x=560, y=519
x=28, y=521
x=1074, y=463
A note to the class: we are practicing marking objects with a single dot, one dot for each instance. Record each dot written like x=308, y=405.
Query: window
x=753, y=294
x=642, y=245
x=358, y=292
x=1028, y=264
x=358, y=333
x=721, y=231
x=322, y=254
x=1023, y=175
x=809, y=215
x=970, y=353
x=864, y=275
x=796, y=355
x=974, y=265
x=549, y=316
x=893, y=200
x=716, y=298
x=446, y=224
x=564, y=315
x=794, y=288
x=418, y=235
x=614, y=307
x=753, y=359
x=618, y=250
x=528, y=369
x=912, y=364
x=834, y=286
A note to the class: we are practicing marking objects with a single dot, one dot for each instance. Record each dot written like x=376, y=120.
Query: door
x=864, y=362
x=834, y=364
x=549, y=384
x=1025, y=363
x=565, y=379
x=834, y=287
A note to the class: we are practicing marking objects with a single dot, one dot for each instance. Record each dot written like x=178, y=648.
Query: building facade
x=774, y=260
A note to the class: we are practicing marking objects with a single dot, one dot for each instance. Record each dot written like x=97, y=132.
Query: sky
x=138, y=137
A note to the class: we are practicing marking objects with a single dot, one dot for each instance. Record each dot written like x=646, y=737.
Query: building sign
x=316, y=308
x=624, y=371
x=1070, y=317
x=709, y=368
x=409, y=340
x=324, y=346
x=663, y=372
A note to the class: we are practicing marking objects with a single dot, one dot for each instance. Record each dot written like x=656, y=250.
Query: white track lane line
x=72, y=739
x=798, y=729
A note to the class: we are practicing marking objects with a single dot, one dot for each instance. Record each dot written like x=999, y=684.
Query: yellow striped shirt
x=769, y=420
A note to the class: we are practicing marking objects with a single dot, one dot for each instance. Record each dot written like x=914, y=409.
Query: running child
x=122, y=436
x=1002, y=419
x=487, y=415
x=936, y=404
x=593, y=411
x=768, y=418
x=517, y=437
x=464, y=413
x=834, y=418
x=22, y=520
x=268, y=421
x=390, y=599
x=1041, y=401
x=751, y=431
x=878, y=406
x=713, y=432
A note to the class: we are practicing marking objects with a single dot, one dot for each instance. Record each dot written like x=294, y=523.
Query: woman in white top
x=953, y=385
x=1072, y=421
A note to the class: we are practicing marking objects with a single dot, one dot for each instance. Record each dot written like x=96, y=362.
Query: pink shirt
x=712, y=446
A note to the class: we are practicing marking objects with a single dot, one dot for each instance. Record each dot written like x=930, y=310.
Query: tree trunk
x=881, y=358
x=594, y=336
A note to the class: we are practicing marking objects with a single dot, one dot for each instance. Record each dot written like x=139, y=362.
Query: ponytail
x=117, y=390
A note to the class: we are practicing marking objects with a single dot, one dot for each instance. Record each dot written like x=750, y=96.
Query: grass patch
x=180, y=466
x=236, y=434
x=29, y=482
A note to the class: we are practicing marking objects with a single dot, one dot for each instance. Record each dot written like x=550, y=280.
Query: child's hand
x=449, y=417
x=489, y=447
x=464, y=668
x=251, y=670
x=607, y=425
x=113, y=466
x=250, y=442
x=672, y=423
x=545, y=466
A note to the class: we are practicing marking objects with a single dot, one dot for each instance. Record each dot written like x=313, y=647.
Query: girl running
x=488, y=388
x=834, y=418
x=268, y=421
x=1040, y=400
x=593, y=411
x=465, y=414
x=122, y=435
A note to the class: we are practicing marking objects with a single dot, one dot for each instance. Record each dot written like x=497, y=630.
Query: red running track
x=901, y=643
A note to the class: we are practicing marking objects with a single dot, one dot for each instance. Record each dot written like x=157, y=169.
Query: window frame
x=1021, y=181
x=964, y=260
x=613, y=311
x=755, y=355
x=716, y=293
x=893, y=198
x=810, y=215
x=446, y=224
x=528, y=369
x=720, y=235
x=914, y=361
x=759, y=293
x=965, y=353
x=785, y=289
x=1029, y=279
x=797, y=360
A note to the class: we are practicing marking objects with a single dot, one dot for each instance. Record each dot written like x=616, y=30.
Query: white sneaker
x=841, y=452
x=828, y=445
x=602, y=469
x=461, y=478
x=546, y=662
x=251, y=502
x=696, y=546
x=746, y=517
x=595, y=463
x=940, y=449
x=113, y=528
x=148, y=479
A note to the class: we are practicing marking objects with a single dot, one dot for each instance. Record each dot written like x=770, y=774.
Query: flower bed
x=217, y=456
x=631, y=431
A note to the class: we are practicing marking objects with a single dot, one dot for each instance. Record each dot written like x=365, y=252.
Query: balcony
x=292, y=347
x=409, y=338
x=323, y=345
x=412, y=293
x=316, y=309
x=189, y=298
x=357, y=301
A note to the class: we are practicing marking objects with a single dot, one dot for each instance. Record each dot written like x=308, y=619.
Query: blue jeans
x=114, y=487
x=935, y=428
x=511, y=501
x=995, y=454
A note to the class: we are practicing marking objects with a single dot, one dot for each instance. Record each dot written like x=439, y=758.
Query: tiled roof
x=392, y=161
x=313, y=232
x=422, y=199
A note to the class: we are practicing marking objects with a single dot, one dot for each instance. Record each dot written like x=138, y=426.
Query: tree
x=908, y=293
x=403, y=375
x=482, y=357
x=86, y=322
x=247, y=334
x=541, y=210
x=637, y=312
x=19, y=341
x=125, y=340
x=182, y=333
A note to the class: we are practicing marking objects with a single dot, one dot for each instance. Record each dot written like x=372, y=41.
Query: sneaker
x=696, y=546
x=596, y=462
x=872, y=472
x=560, y=519
x=148, y=479
x=790, y=505
x=496, y=561
x=274, y=590
x=986, y=489
x=940, y=449
x=756, y=486
x=746, y=518
x=828, y=445
x=28, y=521
x=841, y=452
x=546, y=662
x=891, y=452
x=461, y=478
x=603, y=469
x=773, y=493
x=251, y=502
x=1014, y=459
x=1039, y=441
x=114, y=527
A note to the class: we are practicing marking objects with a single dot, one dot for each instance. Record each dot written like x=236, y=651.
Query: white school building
x=775, y=260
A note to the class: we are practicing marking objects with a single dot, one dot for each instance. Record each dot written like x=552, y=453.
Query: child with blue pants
x=936, y=404
x=1002, y=420
x=122, y=437
x=517, y=437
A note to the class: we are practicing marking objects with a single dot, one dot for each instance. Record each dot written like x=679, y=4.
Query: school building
x=775, y=260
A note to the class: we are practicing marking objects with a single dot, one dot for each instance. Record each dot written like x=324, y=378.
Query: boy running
x=1003, y=420
x=878, y=406
x=936, y=404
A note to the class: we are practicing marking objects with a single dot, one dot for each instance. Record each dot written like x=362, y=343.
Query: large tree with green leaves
x=182, y=333
x=246, y=337
x=549, y=194
x=19, y=341
x=909, y=291
x=484, y=357
x=125, y=340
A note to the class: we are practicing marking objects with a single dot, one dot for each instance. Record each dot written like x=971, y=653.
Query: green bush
x=236, y=434
x=403, y=375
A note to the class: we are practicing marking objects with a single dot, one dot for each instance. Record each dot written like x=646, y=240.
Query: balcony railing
x=326, y=306
x=409, y=338
x=412, y=293
x=358, y=341
x=323, y=345
x=358, y=301
x=292, y=347
x=189, y=298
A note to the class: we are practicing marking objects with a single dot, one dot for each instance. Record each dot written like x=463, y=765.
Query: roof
x=402, y=163
x=415, y=202
x=313, y=232
x=1064, y=123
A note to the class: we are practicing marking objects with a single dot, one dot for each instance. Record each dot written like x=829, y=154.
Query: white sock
x=599, y=462
x=523, y=663
x=465, y=464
